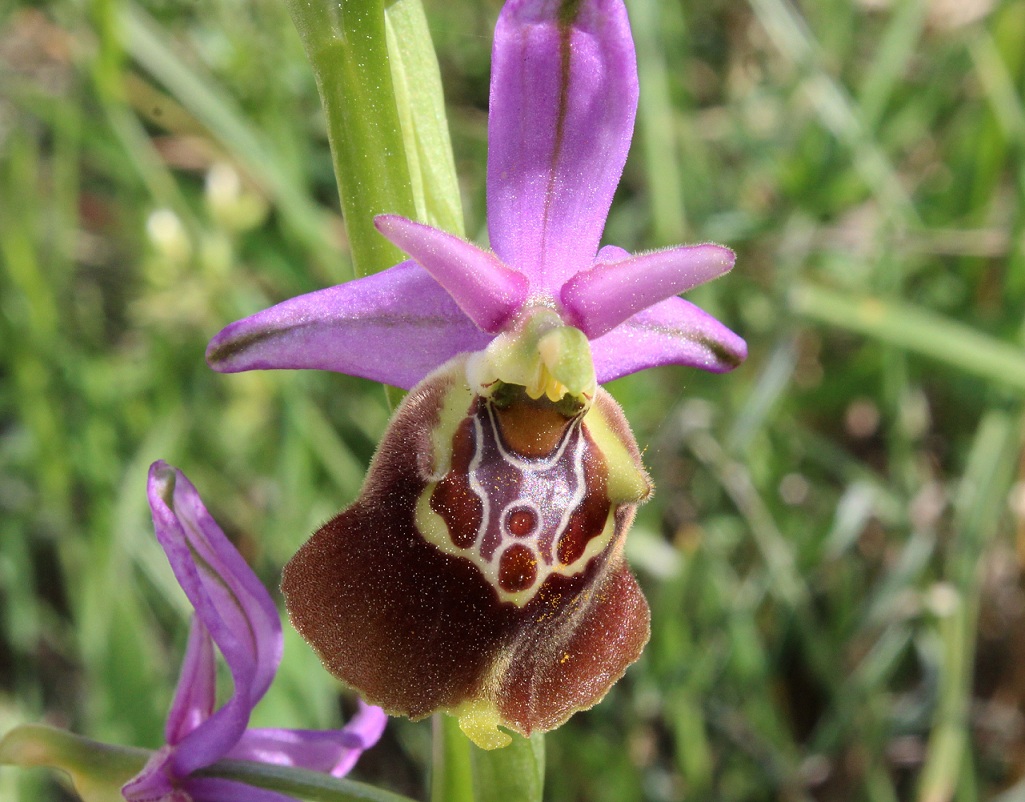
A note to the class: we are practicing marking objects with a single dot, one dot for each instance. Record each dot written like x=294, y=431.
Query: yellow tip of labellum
x=479, y=722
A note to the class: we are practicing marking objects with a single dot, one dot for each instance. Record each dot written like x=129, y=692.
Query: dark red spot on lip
x=517, y=569
x=453, y=498
x=521, y=521
x=460, y=509
x=586, y=522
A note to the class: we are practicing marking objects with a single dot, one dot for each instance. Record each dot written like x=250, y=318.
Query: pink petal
x=563, y=100
x=196, y=692
x=393, y=327
x=366, y=728
x=673, y=332
x=230, y=603
x=484, y=288
x=331, y=751
x=599, y=299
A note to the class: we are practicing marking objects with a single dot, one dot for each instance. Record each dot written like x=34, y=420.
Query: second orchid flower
x=235, y=613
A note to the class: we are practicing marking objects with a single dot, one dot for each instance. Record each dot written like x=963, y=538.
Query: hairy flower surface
x=481, y=570
x=235, y=613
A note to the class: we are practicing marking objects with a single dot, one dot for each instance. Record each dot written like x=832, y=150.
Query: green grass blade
x=914, y=329
x=146, y=43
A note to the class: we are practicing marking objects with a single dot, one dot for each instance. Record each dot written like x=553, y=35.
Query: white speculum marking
x=526, y=505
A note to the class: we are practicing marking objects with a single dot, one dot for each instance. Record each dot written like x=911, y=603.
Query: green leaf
x=420, y=102
x=97, y=770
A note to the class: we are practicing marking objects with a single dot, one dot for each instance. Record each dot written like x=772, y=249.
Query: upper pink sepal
x=560, y=119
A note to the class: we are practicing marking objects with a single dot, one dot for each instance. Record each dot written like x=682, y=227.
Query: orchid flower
x=480, y=571
x=235, y=613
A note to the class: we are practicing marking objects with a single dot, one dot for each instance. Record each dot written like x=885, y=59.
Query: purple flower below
x=234, y=612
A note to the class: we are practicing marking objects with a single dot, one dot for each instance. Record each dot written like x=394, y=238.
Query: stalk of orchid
x=480, y=572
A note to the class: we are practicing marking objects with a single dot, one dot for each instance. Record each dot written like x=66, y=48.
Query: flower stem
x=464, y=773
x=346, y=44
x=301, y=783
x=452, y=768
x=514, y=773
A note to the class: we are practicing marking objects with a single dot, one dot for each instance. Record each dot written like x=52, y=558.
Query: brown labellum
x=480, y=571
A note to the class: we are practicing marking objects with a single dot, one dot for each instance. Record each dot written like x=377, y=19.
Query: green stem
x=463, y=772
x=346, y=44
x=301, y=783
x=452, y=766
x=514, y=773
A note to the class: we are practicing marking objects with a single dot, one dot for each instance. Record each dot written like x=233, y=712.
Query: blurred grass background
x=834, y=555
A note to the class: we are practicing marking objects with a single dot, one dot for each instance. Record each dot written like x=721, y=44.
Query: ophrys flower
x=481, y=571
